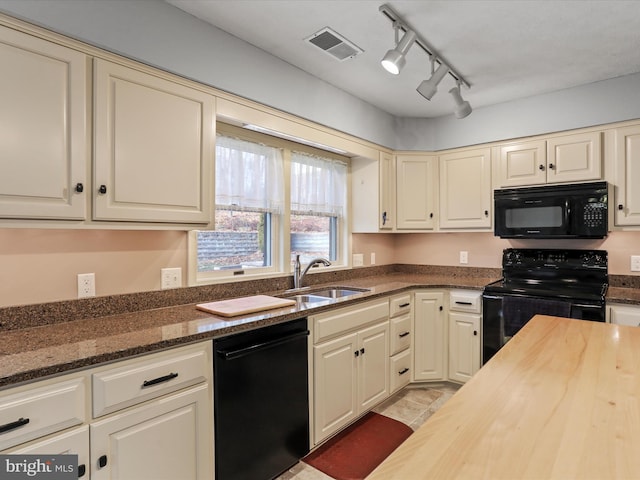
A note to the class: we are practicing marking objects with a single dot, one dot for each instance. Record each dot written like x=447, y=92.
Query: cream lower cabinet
x=624, y=315
x=627, y=176
x=350, y=365
x=429, y=336
x=400, y=339
x=464, y=334
x=152, y=417
x=465, y=190
x=154, y=143
x=164, y=439
x=45, y=139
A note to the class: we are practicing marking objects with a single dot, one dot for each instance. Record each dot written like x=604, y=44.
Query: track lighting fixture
x=428, y=88
x=394, y=60
x=463, y=108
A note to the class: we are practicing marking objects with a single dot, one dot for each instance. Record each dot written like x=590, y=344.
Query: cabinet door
x=627, y=176
x=335, y=385
x=416, y=180
x=154, y=143
x=373, y=372
x=72, y=442
x=429, y=336
x=387, y=192
x=464, y=345
x=465, y=189
x=44, y=144
x=523, y=164
x=624, y=315
x=167, y=438
x=574, y=158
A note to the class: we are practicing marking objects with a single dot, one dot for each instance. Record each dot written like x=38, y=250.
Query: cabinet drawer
x=465, y=301
x=39, y=411
x=399, y=305
x=146, y=378
x=400, y=333
x=346, y=319
x=400, y=370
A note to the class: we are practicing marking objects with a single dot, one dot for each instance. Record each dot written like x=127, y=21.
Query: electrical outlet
x=373, y=258
x=86, y=285
x=358, y=259
x=170, y=278
x=635, y=263
x=464, y=257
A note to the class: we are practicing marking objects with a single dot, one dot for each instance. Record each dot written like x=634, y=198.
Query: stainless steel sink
x=337, y=292
x=308, y=298
x=324, y=294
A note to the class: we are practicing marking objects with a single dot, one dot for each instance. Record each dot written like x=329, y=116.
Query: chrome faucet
x=297, y=276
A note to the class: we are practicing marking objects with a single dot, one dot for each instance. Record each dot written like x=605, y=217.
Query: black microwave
x=552, y=211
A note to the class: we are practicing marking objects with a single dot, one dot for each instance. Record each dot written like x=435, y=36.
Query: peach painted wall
x=39, y=266
x=485, y=250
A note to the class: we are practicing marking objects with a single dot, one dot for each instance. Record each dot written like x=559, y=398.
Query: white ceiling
x=505, y=49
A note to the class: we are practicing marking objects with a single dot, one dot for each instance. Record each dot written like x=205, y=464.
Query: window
x=274, y=199
x=318, y=204
x=249, y=197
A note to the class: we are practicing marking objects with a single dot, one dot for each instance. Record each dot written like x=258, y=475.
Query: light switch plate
x=358, y=259
x=635, y=263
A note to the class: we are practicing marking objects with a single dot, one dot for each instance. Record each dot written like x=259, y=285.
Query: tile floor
x=413, y=405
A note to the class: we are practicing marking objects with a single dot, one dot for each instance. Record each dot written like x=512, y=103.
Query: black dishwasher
x=261, y=401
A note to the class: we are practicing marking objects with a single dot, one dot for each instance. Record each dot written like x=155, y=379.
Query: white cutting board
x=244, y=305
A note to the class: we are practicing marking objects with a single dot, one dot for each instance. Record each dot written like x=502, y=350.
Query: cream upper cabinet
x=562, y=159
x=574, y=158
x=416, y=186
x=627, y=176
x=522, y=164
x=373, y=191
x=154, y=145
x=465, y=190
x=44, y=138
x=387, y=208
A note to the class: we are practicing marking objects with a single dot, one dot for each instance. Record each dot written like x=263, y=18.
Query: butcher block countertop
x=560, y=401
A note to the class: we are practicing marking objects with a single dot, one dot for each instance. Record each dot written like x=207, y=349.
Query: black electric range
x=564, y=283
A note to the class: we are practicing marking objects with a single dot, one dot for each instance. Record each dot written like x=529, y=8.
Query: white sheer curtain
x=318, y=185
x=249, y=176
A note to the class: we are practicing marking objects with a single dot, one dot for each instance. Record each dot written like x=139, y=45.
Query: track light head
x=428, y=88
x=463, y=108
x=394, y=60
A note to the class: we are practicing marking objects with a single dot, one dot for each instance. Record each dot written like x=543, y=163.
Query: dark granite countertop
x=58, y=345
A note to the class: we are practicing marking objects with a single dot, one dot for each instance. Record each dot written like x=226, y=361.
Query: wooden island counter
x=560, y=400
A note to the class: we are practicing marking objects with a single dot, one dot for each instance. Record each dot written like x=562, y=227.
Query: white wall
x=161, y=35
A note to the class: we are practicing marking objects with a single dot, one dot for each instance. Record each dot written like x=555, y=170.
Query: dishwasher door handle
x=256, y=347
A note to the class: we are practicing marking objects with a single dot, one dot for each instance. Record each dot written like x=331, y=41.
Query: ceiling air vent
x=334, y=44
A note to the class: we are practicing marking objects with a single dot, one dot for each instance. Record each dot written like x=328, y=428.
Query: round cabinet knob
x=541, y=167
x=486, y=213
x=620, y=207
x=103, y=189
x=79, y=188
x=551, y=167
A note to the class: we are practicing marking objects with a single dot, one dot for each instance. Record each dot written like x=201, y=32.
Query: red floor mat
x=357, y=451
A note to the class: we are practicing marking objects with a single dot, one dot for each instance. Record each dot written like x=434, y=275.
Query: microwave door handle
x=567, y=211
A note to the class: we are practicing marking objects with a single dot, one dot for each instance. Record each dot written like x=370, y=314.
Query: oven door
x=503, y=315
x=525, y=216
